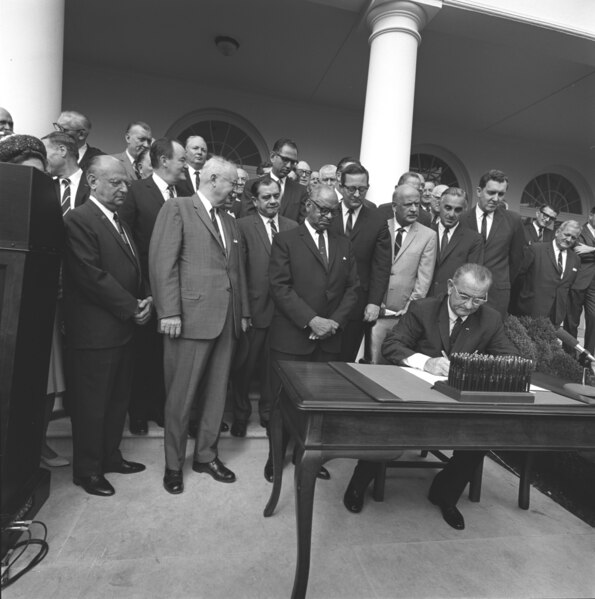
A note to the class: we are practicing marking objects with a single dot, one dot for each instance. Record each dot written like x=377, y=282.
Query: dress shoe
x=268, y=471
x=323, y=474
x=193, y=428
x=238, y=428
x=138, y=426
x=216, y=469
x=353, y=499
x=173, y=481
x=224, y=427
x=450, y=513
x=126, y=467
x=96, y=484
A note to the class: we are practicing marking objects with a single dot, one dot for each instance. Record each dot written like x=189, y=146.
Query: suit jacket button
x=228, y=289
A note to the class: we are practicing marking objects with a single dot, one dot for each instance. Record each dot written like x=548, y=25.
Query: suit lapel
x=360, y=223
x=444, y=325
x=205, y=217
x=155, y=194
x=307, y=239
x=332, y=249
x=262, y=232
x=408, y=239
x=496, y=222
x=452, y=243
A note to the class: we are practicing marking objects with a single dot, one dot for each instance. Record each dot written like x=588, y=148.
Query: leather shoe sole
x=450, y=513
x=126, y=467
x=216, y=469
x=224, y=427
x=173, y=481
x=238, y=428
x=94, y=485
x=353, y=500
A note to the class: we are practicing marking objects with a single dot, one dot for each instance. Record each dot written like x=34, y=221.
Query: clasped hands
x=321, y=328
x=143, y=310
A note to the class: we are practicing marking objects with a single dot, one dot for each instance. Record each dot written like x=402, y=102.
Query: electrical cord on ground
x=9, y=561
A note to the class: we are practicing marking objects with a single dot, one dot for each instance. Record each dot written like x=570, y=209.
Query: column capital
x=402, y=16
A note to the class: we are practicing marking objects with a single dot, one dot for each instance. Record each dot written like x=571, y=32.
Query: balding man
x=196, y=156
x=303, y=172
x=138, y=136
x=78, y=126
x=199, y=285
x=415, y=180
x=104, y=298
x=6, y=123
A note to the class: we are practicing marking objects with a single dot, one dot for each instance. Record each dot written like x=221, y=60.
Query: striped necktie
x=322, y=247
x=349, y=223
x=273, y=227
x=399, y=240
x=65, y=201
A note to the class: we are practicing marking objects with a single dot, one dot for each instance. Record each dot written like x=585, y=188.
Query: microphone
x=569, y=340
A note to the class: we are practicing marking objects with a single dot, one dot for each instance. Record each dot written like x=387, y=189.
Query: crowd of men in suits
x=184, y=280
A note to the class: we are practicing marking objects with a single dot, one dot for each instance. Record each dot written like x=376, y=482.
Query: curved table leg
x=276, y=432
x=307, y=466
x=525, y=482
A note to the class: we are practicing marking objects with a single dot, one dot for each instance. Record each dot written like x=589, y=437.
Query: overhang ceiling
x=474, y=71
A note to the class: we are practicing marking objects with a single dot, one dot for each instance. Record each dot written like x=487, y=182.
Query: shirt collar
x=160, y=182
x=452, y=316
x=266, y=219
x=103, y=209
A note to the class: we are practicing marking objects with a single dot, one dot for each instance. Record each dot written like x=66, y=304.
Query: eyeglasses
x=301, y=172
x=547, y=216
x=476, y=301
x=329, y=179
x=323, y=210
x=352, y=190
x=287, y=160
x=235, y=182
x=66, y=129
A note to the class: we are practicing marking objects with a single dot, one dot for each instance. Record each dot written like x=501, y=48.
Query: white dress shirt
x=267, y=225
x=208, y=206
x=314, y=234
x=489, y=220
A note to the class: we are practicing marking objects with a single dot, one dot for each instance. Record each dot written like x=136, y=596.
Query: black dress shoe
x=224, y=427
x=96, y=484
x=193, y=429
x=138, y=426
x=323, y=474
x=216, y=469
x=353, y=499
x=238, y=428
x=450, y=513
x=126, y=467
x=268, y=471
x=173, y=481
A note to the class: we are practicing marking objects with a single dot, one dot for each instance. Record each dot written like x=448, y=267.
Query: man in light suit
x=547, y=273
x=414, y=180
x=258, y=232
x=138, y=136
x=284, y=159
x=104, y=298
x=71, y=184
x=143, y=203
x=456, y=245
x=432, y=328
x=199, y=285
x=78, y=126
x=504, y=238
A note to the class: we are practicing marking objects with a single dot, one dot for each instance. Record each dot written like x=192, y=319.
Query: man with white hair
x=328, y=175
x=303, y=172
x=78, y=126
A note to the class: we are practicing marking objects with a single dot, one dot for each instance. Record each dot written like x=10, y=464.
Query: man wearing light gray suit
x=198, y=281
x=138, y=137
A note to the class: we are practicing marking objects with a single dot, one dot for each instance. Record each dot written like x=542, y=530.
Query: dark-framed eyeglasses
x=286, y=159
x=324, y=211
x=63, y=129
x=352, y=190
x=546, y=216
x=464, y=297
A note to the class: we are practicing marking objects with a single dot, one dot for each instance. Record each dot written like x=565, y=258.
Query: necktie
x=444, y=241
x=349, y=223
x=65, y=201
x=560, y=264
x=197, y=179
x=171, y=191
x=273, y=228
x=216, y=224
x=484, y=226
x=456, y=329
x=322, y=247
x=398, y=240
x=121, y=231
x=136, y=169
x=540, y=234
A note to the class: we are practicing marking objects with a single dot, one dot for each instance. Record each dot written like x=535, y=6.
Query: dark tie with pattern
x=484, y=227
x=444, y=241
x=273, y=228
x=197, y=179
x=560, y=264
x=322, y=247
x=540, y=233
x=456, y=329
x=65, y=201
x=349, y=223
x=171, y=191
x=121, y=231
x=398, y=240
x=136, y=169
x=216, y=224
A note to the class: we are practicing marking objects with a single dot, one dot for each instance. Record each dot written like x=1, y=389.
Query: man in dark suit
x=582, y=293
x=138, y=136
x=368, y=232
x=196, y=156
x=78, y=126
x=199, y=286
x=503, y=235
x=432, y=328
x=104, y=298
x=456, y=245
x=70, y=182
x=547, y=273
x=538, y=228
x=143, y=203
x=258, y=231
x=284, y=158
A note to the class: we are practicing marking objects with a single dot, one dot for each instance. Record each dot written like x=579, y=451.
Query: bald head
x=196, y=152
x=76, y=124
x=406, y=201
x=6, y=123
x=108, y=181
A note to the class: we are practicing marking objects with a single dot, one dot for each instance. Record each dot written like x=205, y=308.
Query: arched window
x=555, y=191
x=433, y=169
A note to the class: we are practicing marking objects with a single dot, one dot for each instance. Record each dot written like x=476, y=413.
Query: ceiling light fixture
x=227, y=46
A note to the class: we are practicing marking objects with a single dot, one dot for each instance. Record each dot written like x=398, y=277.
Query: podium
x=31, y=244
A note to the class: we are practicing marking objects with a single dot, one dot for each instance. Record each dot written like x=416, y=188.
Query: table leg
x=475, y=483
x=525, y=482
x=306, y=468
x=276, y=433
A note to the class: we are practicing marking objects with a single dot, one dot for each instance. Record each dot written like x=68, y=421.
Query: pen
x=444, y=354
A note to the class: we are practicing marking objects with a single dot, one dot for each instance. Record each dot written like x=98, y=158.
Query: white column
x=31, y=56
x=390, y=93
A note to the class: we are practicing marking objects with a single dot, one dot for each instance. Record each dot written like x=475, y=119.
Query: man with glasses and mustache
x=284, y=158
x=540, y=228
x=314, y=282
x=431, y=330
x=78, y=126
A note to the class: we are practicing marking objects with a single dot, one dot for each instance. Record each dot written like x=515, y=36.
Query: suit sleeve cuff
x=417, y=361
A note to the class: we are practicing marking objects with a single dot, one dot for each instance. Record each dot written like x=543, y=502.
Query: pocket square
x=344, y=258
x=235, y=240
x=574, y=270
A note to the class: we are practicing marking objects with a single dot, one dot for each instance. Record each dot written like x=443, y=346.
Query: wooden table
x=329, y=417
